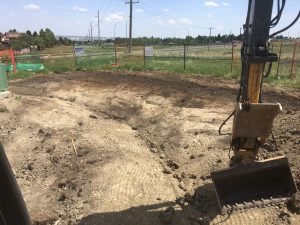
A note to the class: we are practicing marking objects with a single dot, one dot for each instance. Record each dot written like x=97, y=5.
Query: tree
x=60, y=40
x=35, y=34
x=49, y=38
x=189, y=40
x=28, y=32
x=39, y=42
x=42, y=33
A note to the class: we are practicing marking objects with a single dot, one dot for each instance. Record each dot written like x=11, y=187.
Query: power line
x=107, y=8
x=167, y=16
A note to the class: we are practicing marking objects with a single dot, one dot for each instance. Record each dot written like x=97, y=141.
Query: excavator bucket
x=268, y=179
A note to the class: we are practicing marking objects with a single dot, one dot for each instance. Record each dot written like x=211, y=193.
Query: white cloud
x=114, y=17
x=171, y=21
x=211, y=3
x=185, y=21
x=77, y=22
x=220, y=28
x=165, y=22
x=140, y=11
x=166, y=10
x=79, y=9
x=209, y=15
x=11, y=14
x=225, y=4
x=32, y=7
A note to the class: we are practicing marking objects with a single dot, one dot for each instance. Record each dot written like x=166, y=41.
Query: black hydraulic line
x=276, y=19
x=284, y=29
x=269, y=70
x=225, y=121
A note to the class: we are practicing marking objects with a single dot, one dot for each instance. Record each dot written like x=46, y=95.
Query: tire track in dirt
x=262, y=216
x=134, y=177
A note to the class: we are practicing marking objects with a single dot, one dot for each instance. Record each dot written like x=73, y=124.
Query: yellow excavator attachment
x=253, y=180
x=268, y=179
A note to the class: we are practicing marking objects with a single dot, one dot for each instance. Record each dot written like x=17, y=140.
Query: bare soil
x=146, y=144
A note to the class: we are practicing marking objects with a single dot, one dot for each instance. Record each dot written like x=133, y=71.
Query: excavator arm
x=249, y=179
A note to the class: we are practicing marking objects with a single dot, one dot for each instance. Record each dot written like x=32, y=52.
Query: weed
x=3, y=109
x=18, y=98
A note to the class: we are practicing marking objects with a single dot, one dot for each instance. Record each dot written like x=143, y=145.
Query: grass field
x=200, y=60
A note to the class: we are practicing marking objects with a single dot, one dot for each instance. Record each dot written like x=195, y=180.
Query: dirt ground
x=145, y=143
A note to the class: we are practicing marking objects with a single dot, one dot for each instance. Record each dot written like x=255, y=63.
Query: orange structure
x=10, y=56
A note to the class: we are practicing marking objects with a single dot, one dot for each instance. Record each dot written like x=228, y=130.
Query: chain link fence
x=218, y=59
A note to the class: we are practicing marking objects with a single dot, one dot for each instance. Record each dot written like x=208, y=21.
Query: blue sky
x=158, y=18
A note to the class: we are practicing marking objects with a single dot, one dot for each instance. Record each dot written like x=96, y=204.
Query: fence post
x=184, y=55
x=13, y=61
x=144, y=55
x=279, y=58
x=293, y=60
x=232, y=56
x=116, y=56
x=75, y=58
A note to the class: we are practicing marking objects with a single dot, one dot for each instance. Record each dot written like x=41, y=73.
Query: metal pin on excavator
x=249, y=179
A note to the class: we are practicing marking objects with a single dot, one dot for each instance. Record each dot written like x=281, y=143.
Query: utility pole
x=210, y=28
x=91, y=32
x=99, y=36
x=131, y=2
x=126, y=36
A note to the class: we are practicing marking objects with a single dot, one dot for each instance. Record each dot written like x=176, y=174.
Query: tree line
x=43, y=39
x=189, y=40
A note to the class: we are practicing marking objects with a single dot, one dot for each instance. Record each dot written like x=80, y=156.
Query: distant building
x=10, y=36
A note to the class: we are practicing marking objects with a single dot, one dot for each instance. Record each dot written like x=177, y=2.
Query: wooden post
x=232, y=57
x=279, y=58
x=75, y=58
x=184, y=55
x=116, y=56
x=293, y=60
x=144, y=51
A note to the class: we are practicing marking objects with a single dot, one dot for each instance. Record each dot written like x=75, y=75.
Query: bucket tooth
x=260, y=180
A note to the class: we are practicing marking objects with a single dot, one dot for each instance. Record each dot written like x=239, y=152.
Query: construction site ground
x=131, y=148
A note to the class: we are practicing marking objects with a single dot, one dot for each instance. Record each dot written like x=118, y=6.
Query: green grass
x=95, y=63
x=284, y=81
x=58, y=50
x=59, y=65
x=200, y=61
